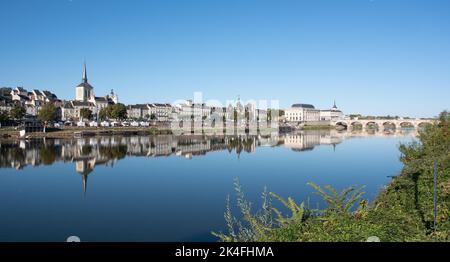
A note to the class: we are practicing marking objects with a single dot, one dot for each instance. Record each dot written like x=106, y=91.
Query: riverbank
x=403, y=211
x=74, y=132
x=317, y=127
x=11, y=134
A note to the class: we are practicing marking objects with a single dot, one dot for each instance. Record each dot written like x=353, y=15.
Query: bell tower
x=84, y=91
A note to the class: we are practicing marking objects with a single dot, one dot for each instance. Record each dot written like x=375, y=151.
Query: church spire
x=334, y=104
x=85, y=80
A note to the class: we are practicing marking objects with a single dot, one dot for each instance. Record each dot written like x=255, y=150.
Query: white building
x=161, y=112
x=188, y=111
x=331, y=114
x=302, y=113
x=138, y=111
x=32, y=101
x=84, y=91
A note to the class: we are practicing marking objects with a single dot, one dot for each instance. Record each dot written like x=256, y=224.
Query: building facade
x=332, y=114
x=302, y=113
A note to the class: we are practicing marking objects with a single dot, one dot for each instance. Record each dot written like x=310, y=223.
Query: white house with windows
x=161, y=112
x=302, y=113
x=332, y=114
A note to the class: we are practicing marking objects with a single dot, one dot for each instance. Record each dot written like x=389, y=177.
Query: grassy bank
x=317, y=127
x=401, y=212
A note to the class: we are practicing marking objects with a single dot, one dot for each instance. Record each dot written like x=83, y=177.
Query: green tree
x=119, y=111
x=269, y=115
x=17, y=112
x=116, y=111
x=153, y=116
x=105, y=113
x=85, y=113
x=247, y=115
x=47, y=114
x=4, y=115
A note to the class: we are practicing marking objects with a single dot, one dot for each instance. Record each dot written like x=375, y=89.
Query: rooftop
x=85, y=85
x=304, y=106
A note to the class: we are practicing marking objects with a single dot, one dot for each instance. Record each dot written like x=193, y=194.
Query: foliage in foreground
x=401, y=212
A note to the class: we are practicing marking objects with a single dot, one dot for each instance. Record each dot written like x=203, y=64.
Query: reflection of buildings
x=88, y=153
x=84, y=166
x=303, y=141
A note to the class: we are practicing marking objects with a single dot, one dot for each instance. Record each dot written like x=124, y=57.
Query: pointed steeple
x=85, y=80
x=334, y=105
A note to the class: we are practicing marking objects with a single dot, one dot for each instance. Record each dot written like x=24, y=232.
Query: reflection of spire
x=84, y=168
x=334, y=147
x=84, y=177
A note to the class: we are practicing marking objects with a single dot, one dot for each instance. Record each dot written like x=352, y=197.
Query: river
x=173, y=188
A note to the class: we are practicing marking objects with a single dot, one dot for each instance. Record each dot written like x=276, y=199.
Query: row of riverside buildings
x=308, y=113
x=69, y=110
x=33, y=101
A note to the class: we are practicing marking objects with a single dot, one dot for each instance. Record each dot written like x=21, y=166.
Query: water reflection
x=87, y=153
x=140, y=181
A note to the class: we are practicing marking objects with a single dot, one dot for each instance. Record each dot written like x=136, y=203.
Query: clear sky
x=373, y=56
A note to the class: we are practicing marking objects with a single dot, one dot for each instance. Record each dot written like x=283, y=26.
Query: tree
x=85, y=113
x=17, y=112
x=105, y=113
x=153, y=116
x=269, y=115
x=116, y=111
x=47, y=114
x=247, y=115
x=4, y=115
x=119, y=111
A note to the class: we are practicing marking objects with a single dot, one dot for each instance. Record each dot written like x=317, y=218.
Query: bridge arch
x=372, y=124
x=341, y=124
x=407, y=124
x=386, y=123
x=356, y=124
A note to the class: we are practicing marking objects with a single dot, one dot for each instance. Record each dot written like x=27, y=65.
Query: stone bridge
x=381, y=123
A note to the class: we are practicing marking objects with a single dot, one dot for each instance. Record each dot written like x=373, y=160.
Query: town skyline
x=198, y=97
x=372, y=57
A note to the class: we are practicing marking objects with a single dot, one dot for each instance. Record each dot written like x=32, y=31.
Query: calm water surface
x=173, y=188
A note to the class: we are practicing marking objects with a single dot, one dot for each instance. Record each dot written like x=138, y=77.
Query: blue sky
x=374, y=57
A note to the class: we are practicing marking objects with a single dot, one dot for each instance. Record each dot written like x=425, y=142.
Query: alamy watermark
x=197, y=116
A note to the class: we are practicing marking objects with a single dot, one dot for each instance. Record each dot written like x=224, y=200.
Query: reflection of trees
x=86, y=150
x=18, y=154
x=239, y=144
x=10, y=152
x=113, y=152
x=48, y=155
